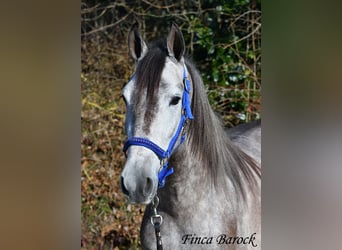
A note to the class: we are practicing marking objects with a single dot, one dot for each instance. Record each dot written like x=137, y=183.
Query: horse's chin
x=145, y=202
x=140, y=200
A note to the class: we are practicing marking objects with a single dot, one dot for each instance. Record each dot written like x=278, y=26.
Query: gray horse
x=211, y=197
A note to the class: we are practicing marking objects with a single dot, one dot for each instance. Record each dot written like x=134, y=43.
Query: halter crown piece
x=162, y=154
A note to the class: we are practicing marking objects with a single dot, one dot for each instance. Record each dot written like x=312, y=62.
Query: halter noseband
x=162, y=154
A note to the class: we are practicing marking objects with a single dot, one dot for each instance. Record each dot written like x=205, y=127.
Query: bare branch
x=243, y=38
x=107, y=26
x=158, y=6
x=244, y=14
x=88, y=10
x=96, y=17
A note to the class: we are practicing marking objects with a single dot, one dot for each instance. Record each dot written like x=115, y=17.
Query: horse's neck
x=190, y=196
x=189, y=184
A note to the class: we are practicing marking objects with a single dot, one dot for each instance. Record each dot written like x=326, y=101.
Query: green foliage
x=226, y=45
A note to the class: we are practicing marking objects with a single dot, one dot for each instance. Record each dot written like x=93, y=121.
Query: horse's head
x=155, y=102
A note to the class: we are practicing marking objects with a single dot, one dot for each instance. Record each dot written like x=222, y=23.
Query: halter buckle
x=163, y=162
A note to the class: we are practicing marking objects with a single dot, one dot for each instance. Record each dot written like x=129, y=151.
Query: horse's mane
x=209, y=143
x=207, y=140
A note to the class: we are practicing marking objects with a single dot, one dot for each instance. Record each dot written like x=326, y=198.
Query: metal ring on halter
x=157, y=218
x=162, y=163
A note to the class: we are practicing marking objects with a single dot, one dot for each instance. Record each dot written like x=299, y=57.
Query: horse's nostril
x=148, y=186
x=123, y=188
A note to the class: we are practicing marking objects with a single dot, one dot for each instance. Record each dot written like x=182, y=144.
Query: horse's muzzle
x=141, y=191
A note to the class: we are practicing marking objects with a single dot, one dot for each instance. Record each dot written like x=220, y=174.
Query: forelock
x=148, y=76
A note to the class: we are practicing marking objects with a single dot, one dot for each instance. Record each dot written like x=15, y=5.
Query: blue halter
x=162, y=154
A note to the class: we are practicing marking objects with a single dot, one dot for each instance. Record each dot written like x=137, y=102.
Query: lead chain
x=157, y=220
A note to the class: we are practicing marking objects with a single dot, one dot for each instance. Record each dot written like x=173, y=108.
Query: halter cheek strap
x=162, y=154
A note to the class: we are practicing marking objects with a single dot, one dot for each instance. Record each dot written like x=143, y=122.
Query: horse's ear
x=175, y=43
x=136, y=44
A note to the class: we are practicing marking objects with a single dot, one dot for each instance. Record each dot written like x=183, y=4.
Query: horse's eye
x=175, y=100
